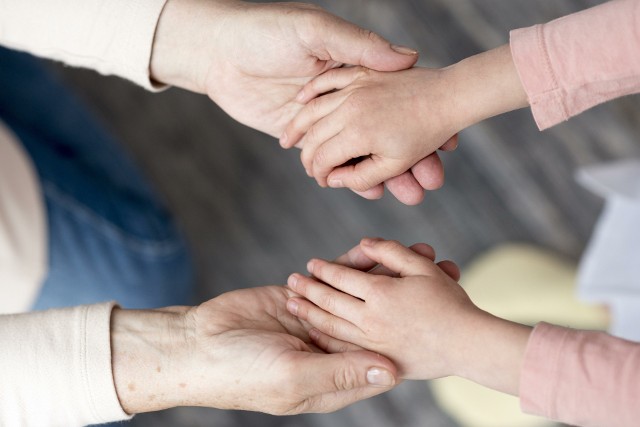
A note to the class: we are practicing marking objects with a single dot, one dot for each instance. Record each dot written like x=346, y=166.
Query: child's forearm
x=485, y=85
x=493, y=353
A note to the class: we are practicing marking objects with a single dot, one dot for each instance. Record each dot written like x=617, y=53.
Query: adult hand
x=253, y=59
x=241, y=350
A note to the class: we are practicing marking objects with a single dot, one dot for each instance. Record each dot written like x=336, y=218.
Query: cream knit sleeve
x=109, y=36
x=55, y=368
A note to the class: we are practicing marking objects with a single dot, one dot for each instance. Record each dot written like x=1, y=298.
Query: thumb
x=341, y=379
x=347, y=43
x=366, y=173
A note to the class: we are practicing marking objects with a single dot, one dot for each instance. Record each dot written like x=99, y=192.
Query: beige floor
x=253, y=216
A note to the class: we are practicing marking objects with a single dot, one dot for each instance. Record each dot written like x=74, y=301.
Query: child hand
x=421, y=319
x=388, y=121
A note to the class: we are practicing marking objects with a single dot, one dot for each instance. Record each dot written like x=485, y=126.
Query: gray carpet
x=253, y=216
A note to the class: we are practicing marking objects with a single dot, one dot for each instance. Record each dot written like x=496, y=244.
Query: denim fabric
x=110, y=237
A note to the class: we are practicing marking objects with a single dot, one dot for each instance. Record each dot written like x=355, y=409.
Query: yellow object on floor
x=524, y=284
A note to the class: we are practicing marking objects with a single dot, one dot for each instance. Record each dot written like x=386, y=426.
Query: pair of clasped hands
x=363, y=118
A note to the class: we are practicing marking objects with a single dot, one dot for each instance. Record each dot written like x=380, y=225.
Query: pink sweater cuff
x=581, y=377
x=581, y=60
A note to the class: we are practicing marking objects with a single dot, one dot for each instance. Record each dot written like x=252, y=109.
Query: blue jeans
x=110, y=237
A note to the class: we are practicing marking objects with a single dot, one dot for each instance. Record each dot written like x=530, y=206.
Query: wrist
x=184, y=43
x=147, y=348
x=486, y=85
x=494, y=351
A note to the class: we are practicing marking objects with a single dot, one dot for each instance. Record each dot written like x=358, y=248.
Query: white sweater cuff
x=56, y=370
x=109, y=36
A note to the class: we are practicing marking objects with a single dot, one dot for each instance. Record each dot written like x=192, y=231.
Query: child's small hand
x=387, y=121
x=421, y=319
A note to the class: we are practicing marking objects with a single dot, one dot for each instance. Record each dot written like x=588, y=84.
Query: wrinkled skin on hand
x=261, y=358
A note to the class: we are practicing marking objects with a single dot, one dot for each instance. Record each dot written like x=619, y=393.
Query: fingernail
x=335, y=183
x=283, y=140
x=310, y=266
x=380, y=377
x=300, y=96
x=404, y=50
x=293, y=281
x=292, y=306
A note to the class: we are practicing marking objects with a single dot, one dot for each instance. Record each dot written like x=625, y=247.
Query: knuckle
x=341, y=347
x=361, y=183
x=306, y=405
x=320, y=158
x=329, y=327
x=312, y=136
x=337, y=276
x=346, y=378
x=391, y=245
x=314, y=106
x=327, y=302
x=369, y=35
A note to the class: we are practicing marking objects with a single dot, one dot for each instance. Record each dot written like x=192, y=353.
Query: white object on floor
x=609, y=272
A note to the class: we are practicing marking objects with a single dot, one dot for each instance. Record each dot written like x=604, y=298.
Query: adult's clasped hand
x=253, y=59
x=241, y=350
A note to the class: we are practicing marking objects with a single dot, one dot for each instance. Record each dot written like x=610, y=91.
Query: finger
x=424, y=250
x=361, y=176
x=333, y=381
x=327, y=132
x=406, y=189
x=334, y=79
x=397, y=257
x=450, y=268
x=429, y=172
x=451, y=144
x=420, y=248
x=355, y=258
x=347, y=43
x=374, y=193
x=327, y=298
x=353, y=282
x=322, y=155
x=326, y=322
x=310, y=114
x=329, y=344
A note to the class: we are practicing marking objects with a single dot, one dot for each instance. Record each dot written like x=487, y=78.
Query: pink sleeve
x=576, y=62
x=581, y=377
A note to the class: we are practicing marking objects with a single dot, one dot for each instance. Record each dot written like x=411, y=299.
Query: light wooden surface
x=253, y=216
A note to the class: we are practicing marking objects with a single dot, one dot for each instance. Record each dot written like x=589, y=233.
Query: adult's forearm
x=148, y=350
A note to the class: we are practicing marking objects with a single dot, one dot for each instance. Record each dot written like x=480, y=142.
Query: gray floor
x=253, y=216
